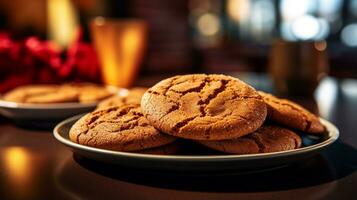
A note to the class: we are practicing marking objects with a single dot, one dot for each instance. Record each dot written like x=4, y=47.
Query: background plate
x=23, y=111
x=37, y=114
x=202, y=163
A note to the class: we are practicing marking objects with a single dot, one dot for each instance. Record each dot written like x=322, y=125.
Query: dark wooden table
x=33, y=165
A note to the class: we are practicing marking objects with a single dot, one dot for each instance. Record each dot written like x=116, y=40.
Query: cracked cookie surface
x=204, y=107
x=291, y=115
x=264, y=140
x=118, y=128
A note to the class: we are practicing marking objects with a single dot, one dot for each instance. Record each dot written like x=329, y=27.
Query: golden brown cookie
x=167, y=149
x=264, y=140
x=204, y=107
x=291, y=115
x=89, y=92
x=118, y=128
x=41, y=94
x=132, y=96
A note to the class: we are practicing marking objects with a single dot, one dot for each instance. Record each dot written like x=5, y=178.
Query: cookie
x=89, y=92
x=204, y=107
x=291, y=115
x=264, y=140
x=136, y=93
x=41, y=94
x=168, y=149
x=118, y=128
x=132, y=96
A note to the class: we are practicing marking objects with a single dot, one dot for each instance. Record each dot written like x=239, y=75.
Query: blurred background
x=184, y=36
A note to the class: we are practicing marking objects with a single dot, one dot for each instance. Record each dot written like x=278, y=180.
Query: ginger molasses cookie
x=89, y=92
x=132, y=96
x=118, y=128
x=41, y=94
x=264, y=140
x=204, y=107
x=291, y=115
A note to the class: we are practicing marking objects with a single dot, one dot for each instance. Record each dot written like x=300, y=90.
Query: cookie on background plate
x=292, y=115
x=204, y=107
x=264, y=140
x=132, y=96
x=89, y=92
x=69, y=92
x=118, y=128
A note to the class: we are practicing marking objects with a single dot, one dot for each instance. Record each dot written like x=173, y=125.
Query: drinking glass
x=120, y=45
x=297, y=67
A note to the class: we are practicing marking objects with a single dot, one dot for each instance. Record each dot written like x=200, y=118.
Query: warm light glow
x=62, y=21
x=321, y=45
x=132, y=44
x=238, y=10
x=120, y=46
x=99, y=21
x=208, y=24
x=17, y=165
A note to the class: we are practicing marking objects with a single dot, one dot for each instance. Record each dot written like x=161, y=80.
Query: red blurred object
x=15, y=80
x=43, y=52
x=82, y=62
x=12, y=71
x=36, y=61
x=43, y=58
x=10, y=52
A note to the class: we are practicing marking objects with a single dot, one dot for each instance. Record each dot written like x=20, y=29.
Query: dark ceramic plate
x=202, y=163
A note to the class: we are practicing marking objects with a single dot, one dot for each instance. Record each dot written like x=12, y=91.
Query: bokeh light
x=291, y=9
x=349, y=35
x=306, y=27
x=320, y=45
x=208, y=24
x=238, y=10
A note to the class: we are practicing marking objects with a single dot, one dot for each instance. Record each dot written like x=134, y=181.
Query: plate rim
x=333, y=134
x=69, y=105
x=66, y=105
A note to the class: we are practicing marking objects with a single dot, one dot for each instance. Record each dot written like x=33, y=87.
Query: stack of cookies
x=216, y=111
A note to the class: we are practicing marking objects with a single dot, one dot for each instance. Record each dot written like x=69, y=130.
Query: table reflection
x=24, y=173
x=17, y=162
x=83, y=178
x=316, y=170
